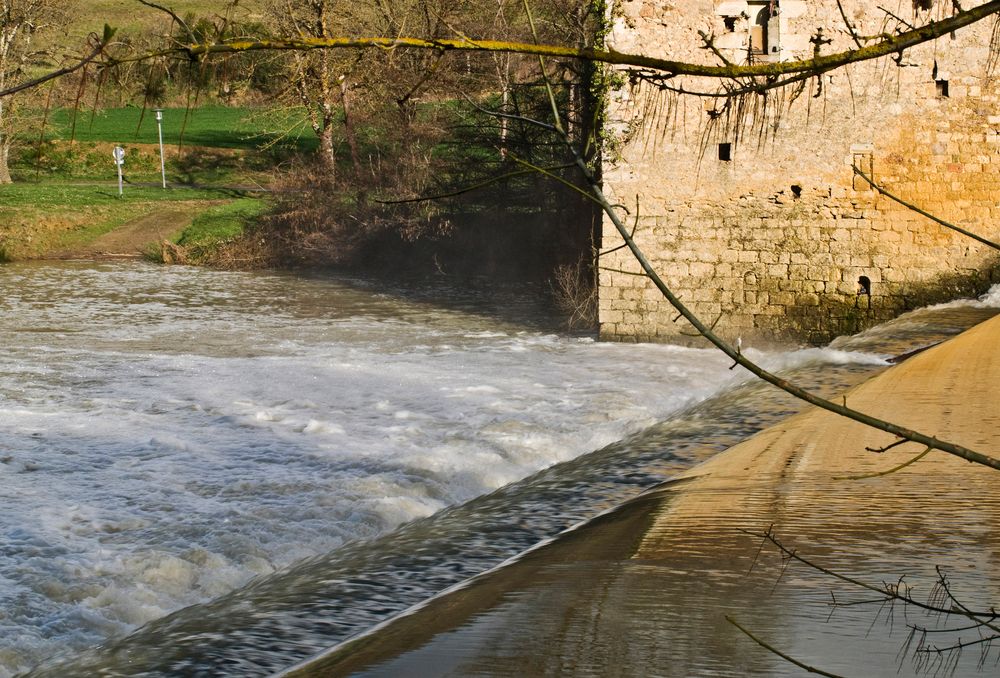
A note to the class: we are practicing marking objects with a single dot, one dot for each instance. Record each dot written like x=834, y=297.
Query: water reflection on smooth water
x=587, y=608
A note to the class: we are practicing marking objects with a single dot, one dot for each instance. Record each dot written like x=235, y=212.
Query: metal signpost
x=119, y=154
x=159, y=129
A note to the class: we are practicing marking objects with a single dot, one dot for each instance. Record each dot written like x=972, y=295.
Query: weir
x=303, y=484
x=751, y=208
x=649, y=586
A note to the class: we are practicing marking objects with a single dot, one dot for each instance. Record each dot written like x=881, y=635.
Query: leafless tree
x=20, y=23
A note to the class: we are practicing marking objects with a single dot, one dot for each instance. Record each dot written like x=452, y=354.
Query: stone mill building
x=752, y=210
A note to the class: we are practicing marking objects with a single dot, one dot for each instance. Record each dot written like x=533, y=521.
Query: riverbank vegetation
x=346, y=148
x=44, y=219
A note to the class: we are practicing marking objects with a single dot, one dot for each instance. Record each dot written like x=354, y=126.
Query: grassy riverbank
x=39, y=219
x=206, y=126
x=65, y=195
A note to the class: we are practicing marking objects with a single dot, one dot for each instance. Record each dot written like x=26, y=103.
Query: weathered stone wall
x=774, y=242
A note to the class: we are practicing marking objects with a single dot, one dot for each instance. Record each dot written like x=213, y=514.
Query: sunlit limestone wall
x=762, y=227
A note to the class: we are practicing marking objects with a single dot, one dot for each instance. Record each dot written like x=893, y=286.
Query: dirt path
x=134, y=237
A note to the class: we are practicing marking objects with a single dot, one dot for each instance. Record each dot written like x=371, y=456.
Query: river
x=221, y=473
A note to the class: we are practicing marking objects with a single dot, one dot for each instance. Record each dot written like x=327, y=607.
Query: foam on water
x=168, y=434
x=991, y=299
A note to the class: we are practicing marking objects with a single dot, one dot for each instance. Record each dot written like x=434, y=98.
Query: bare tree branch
x=31, y=84
x=774, y=650
x=897, y=591
x=180, y=22
x=890, y=44
x=910, y=206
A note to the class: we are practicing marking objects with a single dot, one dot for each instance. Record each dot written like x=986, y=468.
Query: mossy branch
x=888, y=45
x=892, y=44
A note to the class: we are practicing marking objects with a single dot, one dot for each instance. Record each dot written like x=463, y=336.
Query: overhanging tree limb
x=596, y=193
x=888, y=45
x=891, y=44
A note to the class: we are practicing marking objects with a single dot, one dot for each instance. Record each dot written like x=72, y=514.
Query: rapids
x=239, y=469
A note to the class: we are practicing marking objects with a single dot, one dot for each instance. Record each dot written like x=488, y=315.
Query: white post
x=119, y=155
x=159, y=130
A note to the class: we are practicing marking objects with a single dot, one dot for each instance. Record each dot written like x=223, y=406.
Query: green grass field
x=209, y=126
x=36, y=218
x=221, y=222
x=208, y=145
x=132, y=16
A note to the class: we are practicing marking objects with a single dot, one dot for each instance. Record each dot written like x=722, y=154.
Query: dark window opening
x=942, y=87
x=865, y=285
x=725, y=152
x=796, y=191
x=730, y=23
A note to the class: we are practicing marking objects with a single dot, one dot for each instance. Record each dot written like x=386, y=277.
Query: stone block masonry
x=751, y=210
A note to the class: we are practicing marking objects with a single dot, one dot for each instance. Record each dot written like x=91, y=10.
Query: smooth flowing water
x=241, y=450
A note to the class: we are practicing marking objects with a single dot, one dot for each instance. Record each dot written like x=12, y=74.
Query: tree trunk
x=327, y=151
x=4, y=155
x=352, y=139
x=4, y=136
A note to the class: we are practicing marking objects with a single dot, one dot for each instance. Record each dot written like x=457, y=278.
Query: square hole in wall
x=730, y=23
x=942, y=87
x=725, y=152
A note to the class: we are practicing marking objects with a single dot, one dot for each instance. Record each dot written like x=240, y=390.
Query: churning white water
x=167, y=434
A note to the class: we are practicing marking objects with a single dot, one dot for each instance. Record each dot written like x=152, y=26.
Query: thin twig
x=774, y=650
x=618, y=270
x=880, y=450
x=890, y=591
x=471, y=187
x=888, y=472
x=848, y=25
